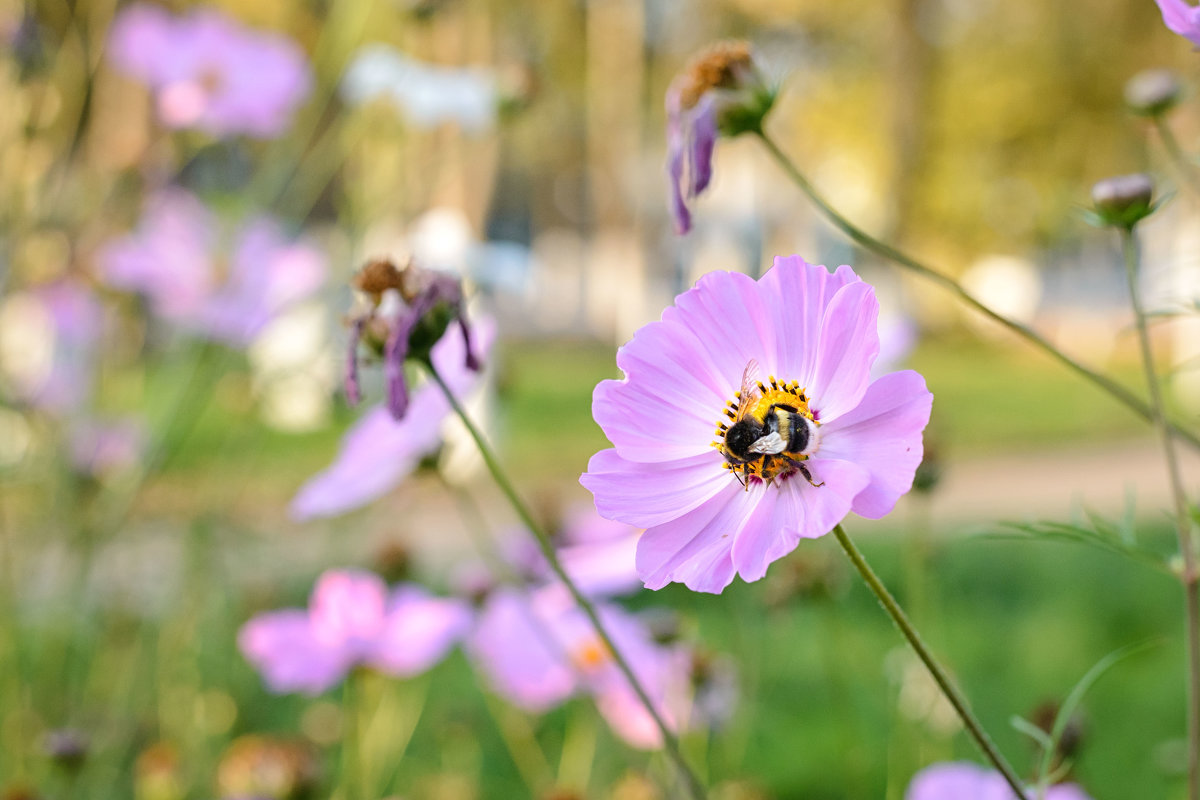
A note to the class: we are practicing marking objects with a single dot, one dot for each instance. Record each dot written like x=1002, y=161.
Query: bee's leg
x=804, y=471
x=808, y=476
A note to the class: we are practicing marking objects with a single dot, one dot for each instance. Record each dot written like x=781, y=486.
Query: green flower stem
x=885, y=250
x=695, y=787
x=1184, y=166
x=935, y=669
x=1183, y=523
x=350, y=781
x=518, y=737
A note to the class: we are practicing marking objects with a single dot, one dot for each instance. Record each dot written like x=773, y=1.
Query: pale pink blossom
x=709, y=515
x=352, y=620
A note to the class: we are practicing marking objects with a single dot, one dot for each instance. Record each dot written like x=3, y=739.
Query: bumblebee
x=772, y=430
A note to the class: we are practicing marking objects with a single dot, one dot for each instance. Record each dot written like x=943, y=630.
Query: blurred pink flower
x=210, y=72
x=862, y=442
x=352, y=620
x=53, y=333
x=1182, y=18
x=378, y=452
x=538, y=648
x=101, y=447
x=599, y=554
x=965, y=781
x=174, y=258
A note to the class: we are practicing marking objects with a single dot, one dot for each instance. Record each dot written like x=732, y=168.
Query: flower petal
x=796, y=510
x=377, y=454
x=1182, y=18
x=678, y=206
x=514, y=647
x=654, y=423
x=695, y=549
x=282, y=646
x=644, y=494
x=883, y=434
x=701, y=132
x=347, y=608
x=419, y=631
x=726, y=313
x=848, y=346
x=796, y=295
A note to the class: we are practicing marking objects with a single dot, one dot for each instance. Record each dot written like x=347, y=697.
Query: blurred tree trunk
x=910, y=70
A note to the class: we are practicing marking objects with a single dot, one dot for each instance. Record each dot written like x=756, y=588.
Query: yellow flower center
x=591, y=655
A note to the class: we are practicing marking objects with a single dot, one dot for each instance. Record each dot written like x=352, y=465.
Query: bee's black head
x=741, y=435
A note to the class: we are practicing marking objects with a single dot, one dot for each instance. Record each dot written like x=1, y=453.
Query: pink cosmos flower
x=378, y=452
x=538, y=648
x=852, y=444
x=209, y=72
x=966, y=781
x=352, y=620
x=1182, y=18
x=174, y=258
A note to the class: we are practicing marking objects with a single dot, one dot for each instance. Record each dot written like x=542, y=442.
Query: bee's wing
x=770, y=444
x=749, y=394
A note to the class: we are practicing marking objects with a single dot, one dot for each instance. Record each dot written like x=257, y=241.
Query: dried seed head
x=378, y=276
x=725, y=65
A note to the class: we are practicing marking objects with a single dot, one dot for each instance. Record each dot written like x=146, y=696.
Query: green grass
x=1017, y=623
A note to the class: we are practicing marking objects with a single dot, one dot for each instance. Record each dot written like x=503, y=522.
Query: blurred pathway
x=1048, y=484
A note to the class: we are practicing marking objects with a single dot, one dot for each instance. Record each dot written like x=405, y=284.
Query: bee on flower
x=748, y=420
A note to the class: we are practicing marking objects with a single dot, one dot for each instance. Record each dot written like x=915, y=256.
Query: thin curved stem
x=695, y=787
x=950, y=691
x=885, y=250
x=1183, y=522
x=1185, y=168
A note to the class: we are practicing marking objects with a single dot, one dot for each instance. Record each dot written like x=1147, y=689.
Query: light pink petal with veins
x=795, y=511
x=884, y=435
x=645, y=494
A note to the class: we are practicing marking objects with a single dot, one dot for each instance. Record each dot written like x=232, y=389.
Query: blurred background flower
x=209, y=72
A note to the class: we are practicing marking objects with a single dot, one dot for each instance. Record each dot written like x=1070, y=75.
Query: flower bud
x=1153, y=92
x=1122, y=201
x=66, y=747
